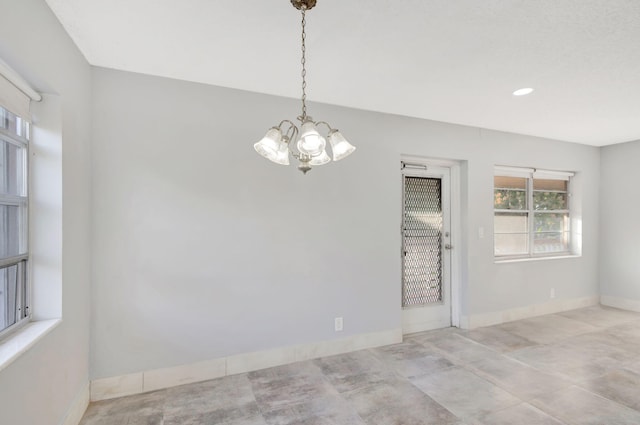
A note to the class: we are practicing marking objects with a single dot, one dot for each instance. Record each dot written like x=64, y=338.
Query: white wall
x=203, y=249
x=40, y=386
x=619, y=225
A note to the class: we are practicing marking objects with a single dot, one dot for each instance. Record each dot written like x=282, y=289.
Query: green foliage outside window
x=505, y=199
x=549, y=201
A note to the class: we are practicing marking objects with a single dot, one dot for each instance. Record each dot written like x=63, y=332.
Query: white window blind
x=15, y=93
x=14, y=100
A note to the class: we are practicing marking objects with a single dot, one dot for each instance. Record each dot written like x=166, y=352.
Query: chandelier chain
x=304, y=68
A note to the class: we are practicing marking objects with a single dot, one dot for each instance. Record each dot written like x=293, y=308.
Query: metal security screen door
x=426, y=300
x=422, y=241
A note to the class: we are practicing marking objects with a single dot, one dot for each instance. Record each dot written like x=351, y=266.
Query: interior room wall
x=619, y=226
x=41, y=385
x=203, y=249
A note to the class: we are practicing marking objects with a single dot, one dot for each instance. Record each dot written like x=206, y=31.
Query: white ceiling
x=456, y=61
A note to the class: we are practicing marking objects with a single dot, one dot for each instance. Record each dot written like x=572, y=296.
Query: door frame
x=455, y=224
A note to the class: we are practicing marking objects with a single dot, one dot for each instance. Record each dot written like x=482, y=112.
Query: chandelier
x=310, y=148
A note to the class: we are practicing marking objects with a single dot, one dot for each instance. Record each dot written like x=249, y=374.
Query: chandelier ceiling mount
x=303, y=4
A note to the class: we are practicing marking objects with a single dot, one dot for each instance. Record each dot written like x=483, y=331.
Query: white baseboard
x=78, y=407
x=185, y=374
x=117, y=386
x=151, y=380
x=498, y=317
x=622, y=303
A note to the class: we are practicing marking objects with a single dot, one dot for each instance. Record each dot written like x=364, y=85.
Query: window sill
x=526, y=259
x=15, y=344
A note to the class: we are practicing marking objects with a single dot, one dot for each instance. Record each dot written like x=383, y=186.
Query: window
x=531, y=213
x=14, y=294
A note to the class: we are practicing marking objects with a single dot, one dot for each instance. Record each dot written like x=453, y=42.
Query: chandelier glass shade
x=305, y=144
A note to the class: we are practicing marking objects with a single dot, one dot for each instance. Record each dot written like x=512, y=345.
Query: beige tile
x=231, y=394
x=516, y=377
x=547, y=329
x=576, y=359
x=396, y=401
x=580, y=407
x=498, y=339
x=218, y=418
x=118, y=411
x=460, y=350
x=355, y=370
x=411, y=359
x=283, y=386
x=601, y=316
x=621, y=385
x=522, y=413
x=464, y=393
x=320, y=410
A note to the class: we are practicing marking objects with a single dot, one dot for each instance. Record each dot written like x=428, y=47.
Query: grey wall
x=620, y=227
x=39, y=387
x=203, y=249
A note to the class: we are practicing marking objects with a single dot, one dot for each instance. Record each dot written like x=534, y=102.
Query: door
x=426, y=248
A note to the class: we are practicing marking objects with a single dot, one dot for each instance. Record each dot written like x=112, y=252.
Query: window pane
x=504, y=182
x=511, y=243
x=550, y=242
x=544, y=184
x=10, y=231
x=510, y=223
x=509, y=199
x=511, y=233
x=12, y=160
x=10, y=122
x=550, y=201
x=9, y=293
x=550, y=222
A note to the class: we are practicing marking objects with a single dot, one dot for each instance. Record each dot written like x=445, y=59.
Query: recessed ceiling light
x=523, y=92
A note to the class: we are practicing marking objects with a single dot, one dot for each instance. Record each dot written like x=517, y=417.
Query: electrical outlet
x=552, y=294
x=338, y=325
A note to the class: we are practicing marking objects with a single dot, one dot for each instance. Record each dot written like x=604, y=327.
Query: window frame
x=531, y=174
x=19, y=138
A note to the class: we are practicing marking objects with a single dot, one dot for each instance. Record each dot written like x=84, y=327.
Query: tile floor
x=577, y=367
